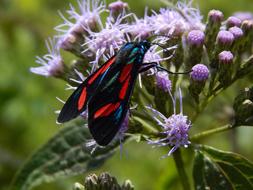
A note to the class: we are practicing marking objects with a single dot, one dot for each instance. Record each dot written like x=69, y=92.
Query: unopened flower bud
x=91, y=182
x=225, y=38
x=225, y=67
x=117, y=7
x=224, y=41
x=199, y=75
x=107, y=181
x=195, y=42
x=243, y=107
x=127, y=185
x=164, y=86
x=236, y=31
x=233, y=21
x=71, y=42
x=246, y=44
x=196, y=38
x=163, y=82
x=244, y=16
x=178, y=57
x=67, y=42
x=215, y=18
x=238, y=36
x=226, y=57
x=247, y=26
x=78, y=186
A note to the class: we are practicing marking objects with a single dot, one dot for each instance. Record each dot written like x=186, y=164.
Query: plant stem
x=212, y=131
x=180, y=168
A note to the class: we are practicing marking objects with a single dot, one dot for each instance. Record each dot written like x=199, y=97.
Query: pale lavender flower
x=52, y=63
x=175, y=128
x=88, y=17
x=141, y=28
x=111, y=36
x=163, y=82
x=236, y=31
x=172, y=23
x=152, y=55
x=199, y=72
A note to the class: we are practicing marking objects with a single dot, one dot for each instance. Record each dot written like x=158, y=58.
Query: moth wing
x=77, y=102
x=109, y=106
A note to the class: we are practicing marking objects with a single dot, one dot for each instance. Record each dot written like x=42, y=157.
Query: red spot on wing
x=108, y=64
x=82, y=99
x=102, y=70
x=106, y=110
x=124, y=88
x=125, y=72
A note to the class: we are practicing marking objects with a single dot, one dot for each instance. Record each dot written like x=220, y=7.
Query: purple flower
x=152, y=55
x=78, y=23
x=88, y=17
x=236, y=31
x=141, y=28
x=52, y=63
x=233, y=21
x=225, y=38
x=111, y=36
x=175, y=128
x=196, y=38
x=226, y=57
x=215, y=16
x=172, y=23
x=199, y=72
x=163, y=82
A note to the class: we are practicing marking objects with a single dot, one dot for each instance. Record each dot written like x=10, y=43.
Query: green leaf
x=63, y=155
x=219, y=170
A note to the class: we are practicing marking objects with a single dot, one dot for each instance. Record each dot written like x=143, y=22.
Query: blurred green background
x=27, y=101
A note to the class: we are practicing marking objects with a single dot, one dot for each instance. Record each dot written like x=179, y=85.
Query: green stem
x=201, y=107
x=180, y=168
x=174, y=82
x=212, y=132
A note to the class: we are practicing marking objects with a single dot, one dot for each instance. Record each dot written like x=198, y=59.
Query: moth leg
x=147, y=66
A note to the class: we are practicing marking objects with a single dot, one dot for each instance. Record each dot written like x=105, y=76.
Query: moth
x=106, y=92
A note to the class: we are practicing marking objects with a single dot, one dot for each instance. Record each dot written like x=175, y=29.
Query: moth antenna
x=159, y=68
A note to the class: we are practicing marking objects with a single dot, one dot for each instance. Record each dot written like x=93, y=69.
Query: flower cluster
x=174, y=128
x=212, y=56
x=84, y=34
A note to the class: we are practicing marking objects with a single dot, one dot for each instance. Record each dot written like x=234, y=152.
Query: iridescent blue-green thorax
x=134, y=51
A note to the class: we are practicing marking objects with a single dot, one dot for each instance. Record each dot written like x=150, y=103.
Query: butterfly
x=106, y=92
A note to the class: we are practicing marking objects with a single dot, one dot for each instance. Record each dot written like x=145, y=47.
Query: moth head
x=145, y=44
